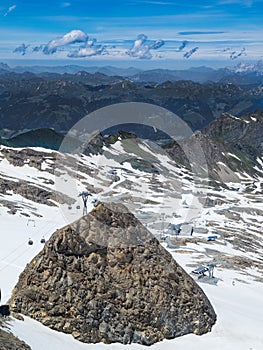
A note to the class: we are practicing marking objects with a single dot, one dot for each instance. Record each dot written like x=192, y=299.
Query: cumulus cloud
x=74, y=36
x=90, y=49
x=21, y=49
x=10, y=9
x=141, y=49
x=235, y=54
x=188, y=54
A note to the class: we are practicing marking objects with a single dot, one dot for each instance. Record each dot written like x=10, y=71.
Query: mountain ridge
x=31, y=102
x=244, y=72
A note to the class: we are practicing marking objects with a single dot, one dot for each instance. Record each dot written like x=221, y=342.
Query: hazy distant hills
x=29, y=101
x=243, y=73
x=51, y=100
x=71, y=69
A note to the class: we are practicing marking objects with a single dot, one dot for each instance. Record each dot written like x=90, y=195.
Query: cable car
x=30, y=242
x=78, y=206
x=43, y=241
x=69, y=207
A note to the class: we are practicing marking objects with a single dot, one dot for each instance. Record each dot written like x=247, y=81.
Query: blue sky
x=189, y=32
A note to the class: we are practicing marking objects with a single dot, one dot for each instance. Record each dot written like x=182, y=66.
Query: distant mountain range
x=243, y=73
x=57, y=101
x=247, y=68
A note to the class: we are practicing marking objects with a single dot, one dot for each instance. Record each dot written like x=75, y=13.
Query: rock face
x=244, y=135
x=9, y=342
x=105, y=278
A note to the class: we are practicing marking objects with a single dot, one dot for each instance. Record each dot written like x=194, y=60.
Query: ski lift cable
x=16, y=258
x=39, y=229
x=21, y=245
x=7, y=264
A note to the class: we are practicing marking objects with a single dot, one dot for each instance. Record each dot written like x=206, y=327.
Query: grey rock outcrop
x=9, y=342
x=105, y=278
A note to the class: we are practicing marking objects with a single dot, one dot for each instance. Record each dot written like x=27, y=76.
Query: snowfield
x=234, y=213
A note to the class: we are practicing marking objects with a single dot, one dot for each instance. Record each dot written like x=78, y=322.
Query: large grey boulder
x=105, y=278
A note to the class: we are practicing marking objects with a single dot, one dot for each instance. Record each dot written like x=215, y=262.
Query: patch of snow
x=234, y=156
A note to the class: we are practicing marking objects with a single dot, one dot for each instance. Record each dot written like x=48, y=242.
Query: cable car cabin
x=43, y=241
x=212, y=238
x=78, y=206
x=69, y=207
x=30, y=242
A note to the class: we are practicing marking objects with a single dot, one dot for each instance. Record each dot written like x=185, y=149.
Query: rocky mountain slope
x=228, y=144
x=9, y=342
x=244, y=135
x=105, y=278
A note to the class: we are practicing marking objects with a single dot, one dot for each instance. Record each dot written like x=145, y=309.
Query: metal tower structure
x=84, y=196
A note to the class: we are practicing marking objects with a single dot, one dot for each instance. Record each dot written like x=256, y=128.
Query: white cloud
x=156, y=45
x=74, y=36
x=65, y=4
x=90, y=49
x=11, y=8
x=191, y=52
x=182, y=46
x=247, y=3
x=142, y=50
x=21, y=49
x=235, y=54
x=38, y=48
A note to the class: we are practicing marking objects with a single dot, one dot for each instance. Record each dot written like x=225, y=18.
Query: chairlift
x=30, y=242
x=43, y=241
